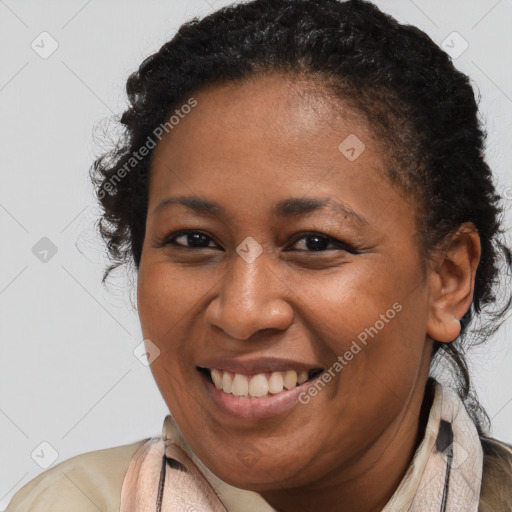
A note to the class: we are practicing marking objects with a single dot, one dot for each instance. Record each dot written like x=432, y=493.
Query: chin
x=255, y=470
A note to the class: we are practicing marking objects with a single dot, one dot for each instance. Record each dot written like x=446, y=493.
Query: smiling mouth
x=260, y=385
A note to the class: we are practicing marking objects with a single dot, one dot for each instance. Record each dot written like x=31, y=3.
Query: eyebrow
x=286, y=208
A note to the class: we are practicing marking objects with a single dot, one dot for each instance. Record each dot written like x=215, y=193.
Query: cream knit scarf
x=444, y=476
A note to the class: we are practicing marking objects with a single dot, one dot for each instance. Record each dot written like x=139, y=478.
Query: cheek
x=372, y=325
x=353, y=304
x=163, y=299
x=162, y=307
x=167, y=303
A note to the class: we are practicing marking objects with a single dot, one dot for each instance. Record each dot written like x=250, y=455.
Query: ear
x=452, y=283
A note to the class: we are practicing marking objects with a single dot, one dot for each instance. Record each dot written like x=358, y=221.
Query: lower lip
x=253, y=408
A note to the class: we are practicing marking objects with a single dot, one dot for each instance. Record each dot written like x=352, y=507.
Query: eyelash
x=170, y=240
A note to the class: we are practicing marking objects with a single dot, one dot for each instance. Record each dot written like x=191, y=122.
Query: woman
x=303, y=192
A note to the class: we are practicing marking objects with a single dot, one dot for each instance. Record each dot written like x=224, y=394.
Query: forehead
x=277, y=105
x=271, y=138
x=272, y=121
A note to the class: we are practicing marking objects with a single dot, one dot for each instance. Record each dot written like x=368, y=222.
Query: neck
x=366, y=486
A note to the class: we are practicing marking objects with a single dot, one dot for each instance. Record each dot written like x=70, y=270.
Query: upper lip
x=255, y=365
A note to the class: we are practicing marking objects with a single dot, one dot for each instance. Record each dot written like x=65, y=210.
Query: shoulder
x=87, y=482
x=496, y=492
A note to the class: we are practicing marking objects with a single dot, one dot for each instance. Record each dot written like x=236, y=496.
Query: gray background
x=68, y=374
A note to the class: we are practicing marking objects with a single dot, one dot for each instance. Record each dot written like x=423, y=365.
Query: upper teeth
x=257, y=385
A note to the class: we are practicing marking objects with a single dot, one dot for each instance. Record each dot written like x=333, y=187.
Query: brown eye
x=317, y=242
x=193, y=239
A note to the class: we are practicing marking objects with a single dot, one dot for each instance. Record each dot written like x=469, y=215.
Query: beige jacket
x=453, y=470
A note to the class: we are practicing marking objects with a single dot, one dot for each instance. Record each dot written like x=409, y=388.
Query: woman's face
x=269, y=282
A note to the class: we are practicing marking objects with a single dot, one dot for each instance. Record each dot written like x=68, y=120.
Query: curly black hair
x=394, y=75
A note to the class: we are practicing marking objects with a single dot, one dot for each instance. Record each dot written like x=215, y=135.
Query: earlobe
x=452, y=282
x=444, y=328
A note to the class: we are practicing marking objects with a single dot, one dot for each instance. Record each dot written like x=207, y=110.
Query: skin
x=248, y=145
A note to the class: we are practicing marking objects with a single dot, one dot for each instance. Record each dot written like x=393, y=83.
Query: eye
x=315, y=242
x=196, y=239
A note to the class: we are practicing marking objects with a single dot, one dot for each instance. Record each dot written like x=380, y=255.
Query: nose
x=252, y=298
